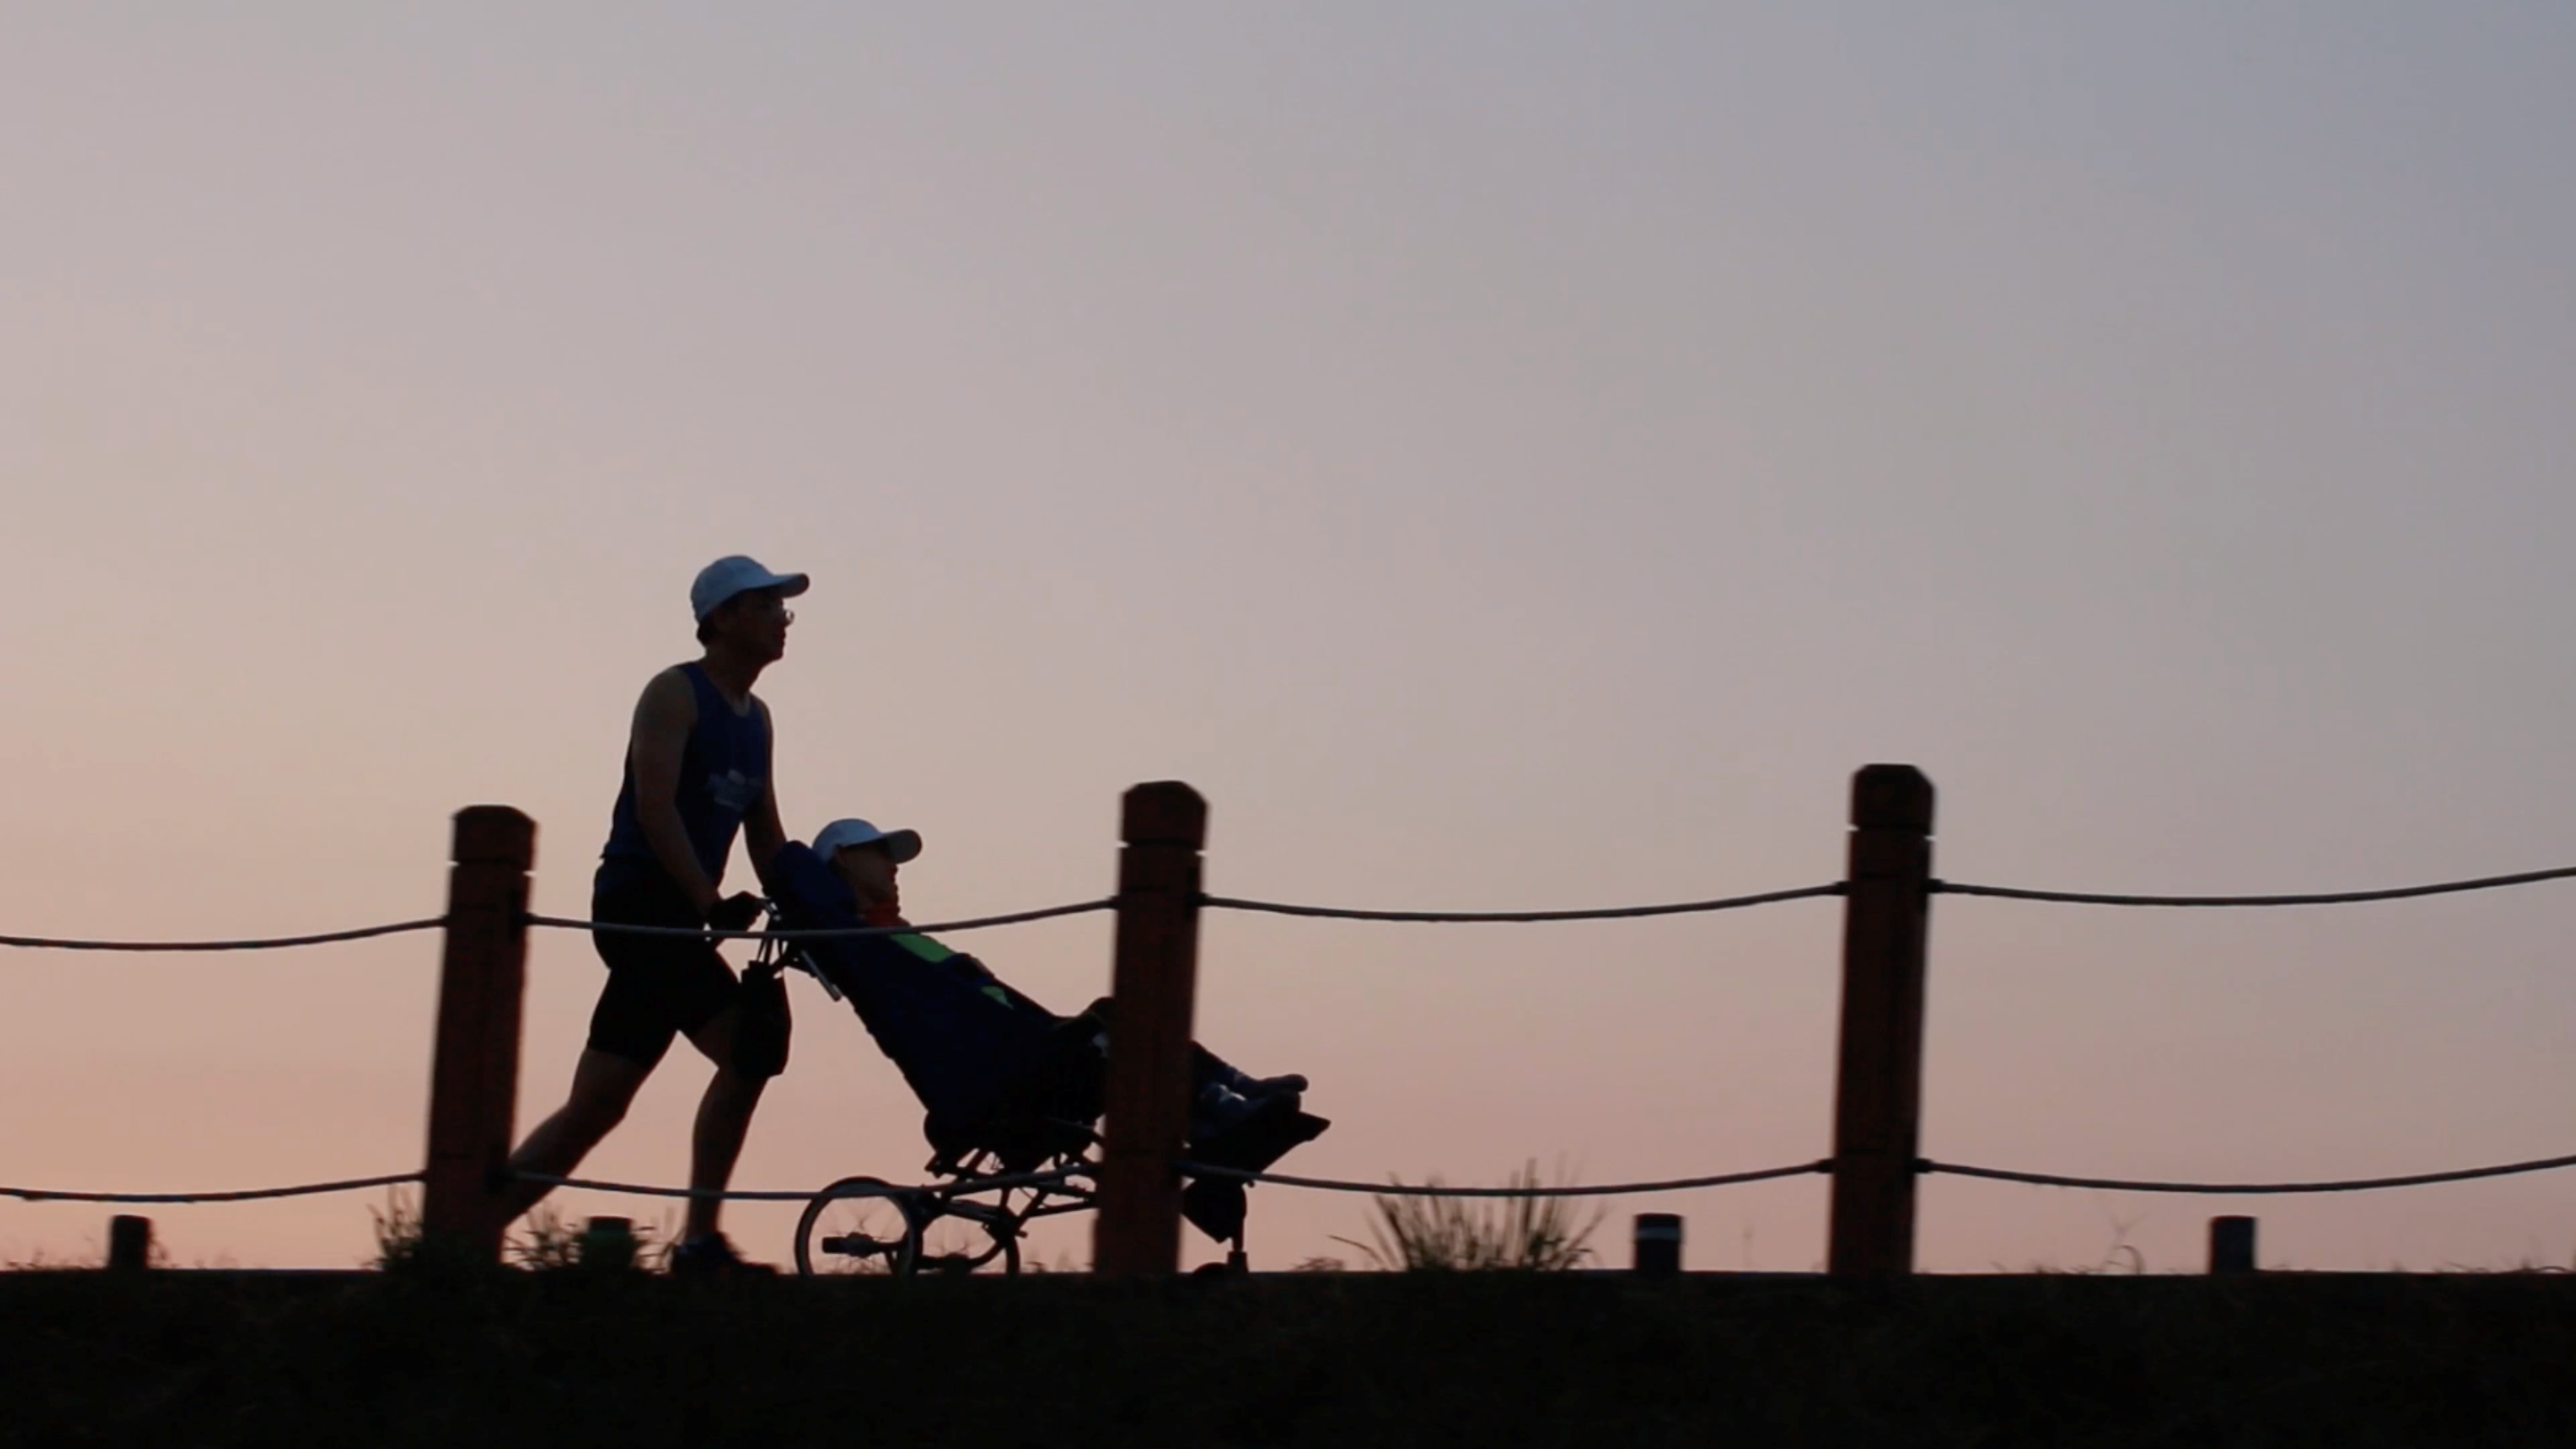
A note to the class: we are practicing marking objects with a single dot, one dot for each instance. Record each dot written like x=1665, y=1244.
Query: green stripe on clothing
x=923, y=947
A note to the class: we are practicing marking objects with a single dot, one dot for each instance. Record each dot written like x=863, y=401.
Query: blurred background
x=1505, y=455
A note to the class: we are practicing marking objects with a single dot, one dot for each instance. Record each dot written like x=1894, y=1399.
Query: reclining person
x=980, y=1055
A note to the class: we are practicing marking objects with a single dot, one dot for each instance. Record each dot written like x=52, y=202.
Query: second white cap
x=901, y=845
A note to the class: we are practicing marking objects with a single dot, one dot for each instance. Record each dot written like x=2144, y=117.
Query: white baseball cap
x=902, y=845
x=734, y=574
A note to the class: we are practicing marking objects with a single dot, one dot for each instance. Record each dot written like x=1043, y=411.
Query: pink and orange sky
x=1505, y=455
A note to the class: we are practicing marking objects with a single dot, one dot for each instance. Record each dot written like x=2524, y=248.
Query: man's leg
x=603, y=1084
x=630, y=1029
x=724, y=1119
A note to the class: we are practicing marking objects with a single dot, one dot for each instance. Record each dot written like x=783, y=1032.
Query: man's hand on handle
x=735, y=912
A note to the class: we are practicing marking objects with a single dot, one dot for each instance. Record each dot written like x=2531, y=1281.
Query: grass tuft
x=1538, y=1234
x=543, y=1242
x=398, y=1235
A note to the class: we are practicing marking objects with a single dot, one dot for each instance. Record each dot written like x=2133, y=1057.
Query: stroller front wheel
x=858, y=1225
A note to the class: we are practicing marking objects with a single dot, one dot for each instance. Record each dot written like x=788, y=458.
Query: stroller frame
x=870, y=1225
x=970, y=1220
x=1024, y=1163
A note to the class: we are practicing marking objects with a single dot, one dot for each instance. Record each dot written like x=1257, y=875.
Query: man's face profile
x=753, y=622
x=868, y=870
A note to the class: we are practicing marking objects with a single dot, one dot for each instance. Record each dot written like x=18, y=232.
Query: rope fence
x=251, y=1194
x=934, y=1189
x=2250, y=1189
x=1820, y=1166
x=1334, y=913
x=1923, y=1165
x=1609, y=1189
x=1603, y=913
x=842, y=933
x=268, y=943
x=2327, y=898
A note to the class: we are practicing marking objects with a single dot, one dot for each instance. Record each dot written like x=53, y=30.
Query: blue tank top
x=724, y=770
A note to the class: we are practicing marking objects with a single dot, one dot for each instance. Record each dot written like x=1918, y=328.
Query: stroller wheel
x=964, y=1237
x=857, y=1225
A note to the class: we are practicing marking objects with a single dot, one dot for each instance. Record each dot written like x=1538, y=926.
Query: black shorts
x=658, y=986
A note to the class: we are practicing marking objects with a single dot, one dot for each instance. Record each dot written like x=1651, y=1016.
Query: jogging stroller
x=1012, y=1097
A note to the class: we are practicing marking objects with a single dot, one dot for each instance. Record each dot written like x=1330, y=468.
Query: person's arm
x=663, y=719
x=762, y=835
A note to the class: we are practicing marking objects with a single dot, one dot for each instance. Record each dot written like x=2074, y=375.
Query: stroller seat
x=1006, y=1084
x=1044, y=1116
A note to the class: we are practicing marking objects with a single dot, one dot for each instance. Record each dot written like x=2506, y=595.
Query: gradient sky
x=1505, y=455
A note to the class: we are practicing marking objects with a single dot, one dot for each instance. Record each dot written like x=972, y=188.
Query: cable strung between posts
x=1613, y=1189
x=2359, y=1184
x=932, y=1189
x=271, y=943
x=2331, y=898
x=1604, y=913
x=253, y=1194
x=845, y=933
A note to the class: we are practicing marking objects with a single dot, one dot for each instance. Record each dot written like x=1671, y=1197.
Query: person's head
x=742, y=608
x=865, y=857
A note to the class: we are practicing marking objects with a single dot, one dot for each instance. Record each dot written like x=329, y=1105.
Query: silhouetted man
x=697, y=773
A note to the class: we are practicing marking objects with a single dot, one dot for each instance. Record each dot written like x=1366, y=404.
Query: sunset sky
x=1504, y=455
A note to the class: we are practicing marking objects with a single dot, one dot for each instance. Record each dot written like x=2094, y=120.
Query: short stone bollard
x=608, y=1243
x=2231, y=1245
x=129, y=1243
x=1657, y=1245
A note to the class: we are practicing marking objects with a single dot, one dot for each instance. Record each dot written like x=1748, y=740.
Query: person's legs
x=653, y=982
x=724, y=1118
x=1222, y=1095
x=603, y=1084
x=1208, y=1069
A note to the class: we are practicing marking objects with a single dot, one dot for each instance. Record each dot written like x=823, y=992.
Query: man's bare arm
x=762, y=835
x=664, y=716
